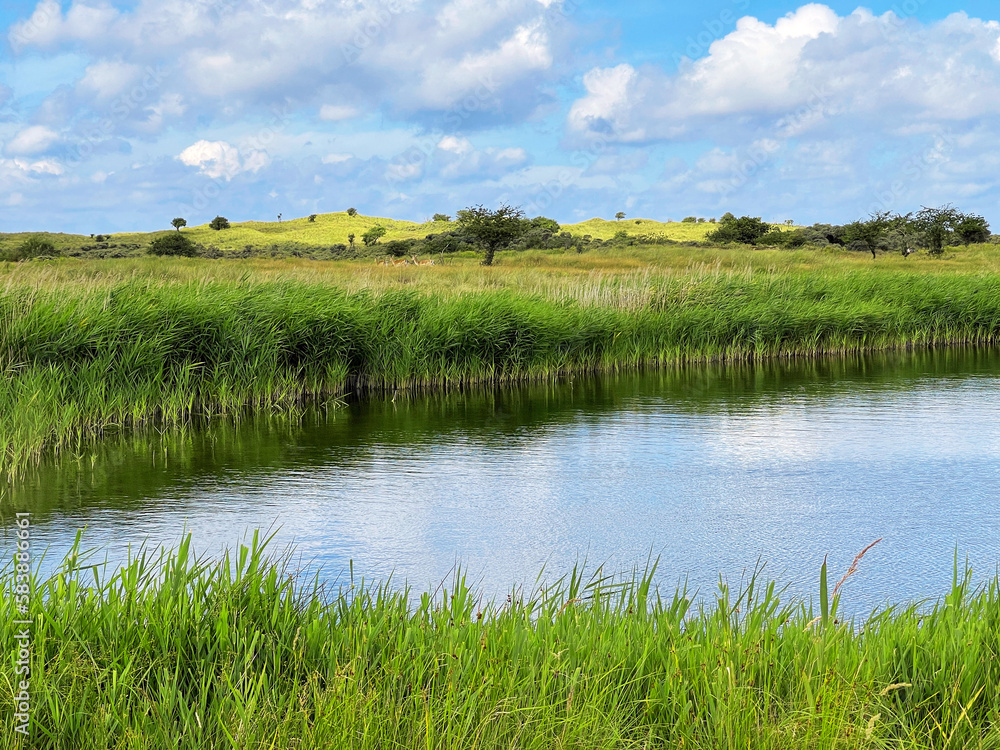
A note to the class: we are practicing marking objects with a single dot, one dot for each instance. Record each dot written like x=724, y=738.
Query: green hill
x=334, y=228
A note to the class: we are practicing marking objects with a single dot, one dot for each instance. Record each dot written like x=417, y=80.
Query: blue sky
x=118, y=116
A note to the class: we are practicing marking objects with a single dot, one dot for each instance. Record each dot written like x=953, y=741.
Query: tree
x=746, y=230
x=173, y=244
x=350, y=239
x=689, y=220
x=352, y=212
x=312, y=218
x=546, y=225
x=867, y=234
x=492, y=231
x=373, y=235
x=937, y=224
x=178, y=223
x=442, y=217
x=620, y=215
x=219, y=222
x=972, y=228
x=726, y=218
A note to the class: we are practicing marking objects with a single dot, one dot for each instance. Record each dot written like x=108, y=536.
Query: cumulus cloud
x=809, y=72
x=35, y=139
x=219, y=159
x=405, y=56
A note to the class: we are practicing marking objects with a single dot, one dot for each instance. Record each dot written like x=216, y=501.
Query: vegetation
x=312, y=218
x=218, y=223
x=163, y=341
x=178, y=223
x=619, y=216
x=373, y=235
x=33, y=247
x=352, y=212
x=441, y=217
x=173, y=244
x=175, y=651
x=746, y=230
x=491, y=230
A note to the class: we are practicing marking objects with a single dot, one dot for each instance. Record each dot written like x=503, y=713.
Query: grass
x=334, y=228
x=90, y=347
x=179, y=652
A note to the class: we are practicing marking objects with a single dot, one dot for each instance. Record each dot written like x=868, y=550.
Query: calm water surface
x=708, y=467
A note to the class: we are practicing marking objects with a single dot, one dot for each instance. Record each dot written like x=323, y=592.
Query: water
x=710, y=468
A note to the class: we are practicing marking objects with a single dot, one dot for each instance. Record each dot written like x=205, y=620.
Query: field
x=90, y=347
x=333, y=229
x=172, y=651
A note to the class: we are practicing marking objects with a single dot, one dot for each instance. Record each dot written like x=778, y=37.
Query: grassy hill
x=334, y=228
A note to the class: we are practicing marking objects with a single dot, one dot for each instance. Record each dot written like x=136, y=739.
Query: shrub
x=352, y=212
x=312, y=218
x=441, y=217
x=33, y=247
x=399, y=248
x=747, y=230
x=173, y=243
x=689, y=220
x=219, y=222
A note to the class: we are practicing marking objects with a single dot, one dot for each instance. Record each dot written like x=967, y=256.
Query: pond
x=708, y=467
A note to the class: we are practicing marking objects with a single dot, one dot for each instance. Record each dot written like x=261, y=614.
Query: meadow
x=333, y=229
x=169, y=650
x=90, y=347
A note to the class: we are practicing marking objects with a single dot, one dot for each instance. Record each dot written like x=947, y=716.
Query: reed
x=170, y=650
x=84, y=353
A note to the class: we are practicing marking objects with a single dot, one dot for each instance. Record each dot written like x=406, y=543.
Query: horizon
x=119, y=117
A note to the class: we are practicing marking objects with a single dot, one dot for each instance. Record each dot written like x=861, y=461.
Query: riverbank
x=195, y=654
x=92, y=347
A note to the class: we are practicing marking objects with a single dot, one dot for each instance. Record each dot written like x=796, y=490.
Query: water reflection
x=709, y=466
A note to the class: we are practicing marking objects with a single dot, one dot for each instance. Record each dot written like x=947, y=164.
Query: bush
x=312, y=218
x=352, y=212
x=747, y=230
x=174, y=243
x=441, y=217
x=219, y=222
x=399, y=248
x=33, y=247
x=689, y=220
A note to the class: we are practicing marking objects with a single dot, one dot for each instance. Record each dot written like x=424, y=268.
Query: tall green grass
x=80, y=360
x=172, y=651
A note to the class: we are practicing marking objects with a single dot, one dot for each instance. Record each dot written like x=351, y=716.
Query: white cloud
x=107, y=78
x=32, y=140
x=337, y=112
x=809, y=72
x=219, y=159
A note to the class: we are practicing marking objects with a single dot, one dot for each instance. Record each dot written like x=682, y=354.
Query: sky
x=121, y=116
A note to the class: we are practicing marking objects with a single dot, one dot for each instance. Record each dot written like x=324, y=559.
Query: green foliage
x=33, y=247
x=178, y=223
x=84, y=358
x=243, y=652
x=620, y=215
x=173, y=244
x=726, y=218
x=689, y=220
x=746, y=230
x=399, y=248
x=441, y=217
x=350, y=239
x=219, y=223
x=373, y=235
x=545, y=225
x=312, y=218
x=352, y=212
x=491, y=230
x=971, y=229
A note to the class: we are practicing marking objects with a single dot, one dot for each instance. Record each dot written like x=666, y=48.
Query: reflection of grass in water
x=97, y=346
x=238, y=653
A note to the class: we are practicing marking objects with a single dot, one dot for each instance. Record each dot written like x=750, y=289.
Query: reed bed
x=104, y=354
x=173, y=651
